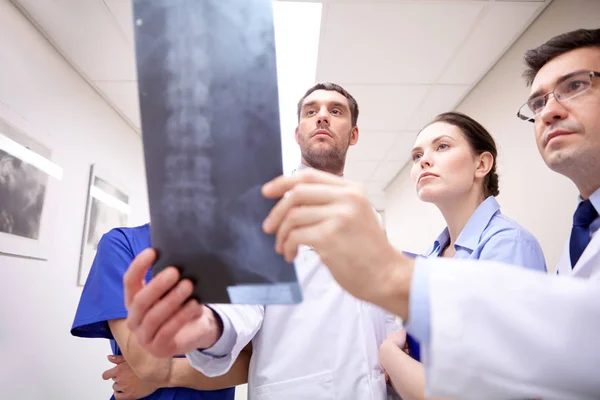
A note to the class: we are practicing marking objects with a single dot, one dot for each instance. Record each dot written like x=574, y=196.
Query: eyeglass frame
x=591, y=75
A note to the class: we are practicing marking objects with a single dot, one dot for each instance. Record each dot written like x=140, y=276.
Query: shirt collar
x=594, y=199
x=441, y=242
x=300, y=168
x=471, y=234
x=304, y=166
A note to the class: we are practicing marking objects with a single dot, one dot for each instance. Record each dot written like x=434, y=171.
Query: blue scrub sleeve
x=102, y=298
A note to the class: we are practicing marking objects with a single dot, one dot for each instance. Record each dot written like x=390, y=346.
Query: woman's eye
x=443, y=146
x=416, y=157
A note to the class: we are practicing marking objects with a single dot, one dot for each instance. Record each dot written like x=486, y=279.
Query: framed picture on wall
x=107, y=208
x=26, y=176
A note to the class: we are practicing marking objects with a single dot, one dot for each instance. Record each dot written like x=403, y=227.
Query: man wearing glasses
x=495, y=332
x=565, y=109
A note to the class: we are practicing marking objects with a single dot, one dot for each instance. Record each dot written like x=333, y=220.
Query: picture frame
x=107, y=207
x=28, y=179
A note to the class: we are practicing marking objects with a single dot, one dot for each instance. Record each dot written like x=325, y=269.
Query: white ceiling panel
x=85, y=33
x=386, y=107
x=387, y=170
x=375, y=188
x=372, y=145
x=400, y=150
x=405, y=61
x=360, y=170
x=499, y=26
x=391, y=42
x=439, y=99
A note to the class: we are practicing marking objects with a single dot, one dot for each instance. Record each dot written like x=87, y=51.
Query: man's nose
x=323, y=116
x=553, y=111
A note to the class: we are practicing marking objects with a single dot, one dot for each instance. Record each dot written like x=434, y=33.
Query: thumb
x=116, y=359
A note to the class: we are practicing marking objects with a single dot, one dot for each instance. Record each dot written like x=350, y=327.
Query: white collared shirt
x=325, y=348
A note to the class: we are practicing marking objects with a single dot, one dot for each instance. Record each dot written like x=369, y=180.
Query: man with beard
x=324, y=348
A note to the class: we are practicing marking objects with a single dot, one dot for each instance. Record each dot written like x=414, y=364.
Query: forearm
x=184, y=375
x=144, y=365
x=407, y=375
x=393, y=292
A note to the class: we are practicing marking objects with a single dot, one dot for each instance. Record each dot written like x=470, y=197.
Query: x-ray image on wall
x=107, y=208
x=24, y=168
x=22, y=191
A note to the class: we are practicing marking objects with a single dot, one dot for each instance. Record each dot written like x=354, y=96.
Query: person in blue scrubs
x=102, y=310
x=454, y=167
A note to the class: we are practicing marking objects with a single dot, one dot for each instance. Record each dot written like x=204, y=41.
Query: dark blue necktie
x=580, y=234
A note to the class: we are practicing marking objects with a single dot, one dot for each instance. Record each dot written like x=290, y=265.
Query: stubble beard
x=330, y=160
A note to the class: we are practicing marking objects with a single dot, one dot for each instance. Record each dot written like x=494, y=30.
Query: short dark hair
x=480, y=140
x=536, y=58
x=337, y=88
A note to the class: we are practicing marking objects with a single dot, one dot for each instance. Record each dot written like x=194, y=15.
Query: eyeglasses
x=569, y=88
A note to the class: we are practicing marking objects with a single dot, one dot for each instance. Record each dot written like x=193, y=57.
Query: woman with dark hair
x=454, y=167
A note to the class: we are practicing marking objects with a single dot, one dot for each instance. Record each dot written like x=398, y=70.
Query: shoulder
x=102, y=296
x=130, y=238
x=501, y=226
x=507, y=241
x=129, y=233
x=117, y=248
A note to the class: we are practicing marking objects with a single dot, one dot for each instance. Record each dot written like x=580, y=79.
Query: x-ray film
x=210, y=124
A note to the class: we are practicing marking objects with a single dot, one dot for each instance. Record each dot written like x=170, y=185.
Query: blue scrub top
x=103, y=300
x=489, y=235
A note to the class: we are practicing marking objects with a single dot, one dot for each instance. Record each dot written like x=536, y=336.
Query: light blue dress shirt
x=488, y=235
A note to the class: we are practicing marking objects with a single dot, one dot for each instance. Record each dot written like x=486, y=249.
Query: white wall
x=40, y=359
x=530, y=193
x=44, y=96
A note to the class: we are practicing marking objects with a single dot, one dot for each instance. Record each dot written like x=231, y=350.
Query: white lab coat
x=588, y=265
x=325, y=348
x=501, y=332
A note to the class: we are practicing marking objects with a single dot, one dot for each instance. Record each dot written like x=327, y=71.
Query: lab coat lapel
x=588, y=265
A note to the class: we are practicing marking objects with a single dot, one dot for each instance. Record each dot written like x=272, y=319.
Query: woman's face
x=444, y=164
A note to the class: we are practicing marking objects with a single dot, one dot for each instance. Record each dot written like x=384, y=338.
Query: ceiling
x=404, y=61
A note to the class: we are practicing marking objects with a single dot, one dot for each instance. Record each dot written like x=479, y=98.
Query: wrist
x=169, y=382
x=216, y=326
x=215, y=329
x=156, y=372
x=388, y=353
x=393, y=290
x=176, y=374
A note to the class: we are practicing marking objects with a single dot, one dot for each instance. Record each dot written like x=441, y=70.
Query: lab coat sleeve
x=240, y=324
x=418, y=323
x=392, y=324
x=500, y=332
x=391, y=321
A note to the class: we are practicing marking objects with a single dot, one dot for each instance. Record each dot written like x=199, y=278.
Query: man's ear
x=296, y=135
x=354, y=136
